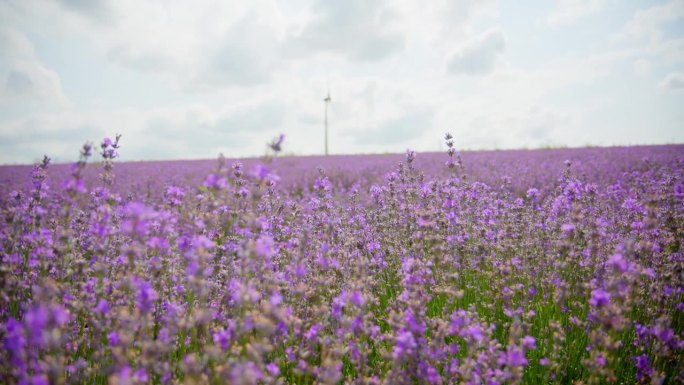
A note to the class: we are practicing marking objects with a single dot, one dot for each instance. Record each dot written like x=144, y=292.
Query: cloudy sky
x=191, y=79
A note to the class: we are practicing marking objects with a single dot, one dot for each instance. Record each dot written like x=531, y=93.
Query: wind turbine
x=327, y=101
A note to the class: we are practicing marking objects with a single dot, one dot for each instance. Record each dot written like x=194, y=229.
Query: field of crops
x=499, y=267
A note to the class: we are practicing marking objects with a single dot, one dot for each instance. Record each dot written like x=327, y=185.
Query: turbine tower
x=327, y=100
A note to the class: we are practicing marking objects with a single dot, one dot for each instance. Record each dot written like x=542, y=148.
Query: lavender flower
x=372, y=271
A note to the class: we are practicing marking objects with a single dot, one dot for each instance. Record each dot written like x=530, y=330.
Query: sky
x=192, y=79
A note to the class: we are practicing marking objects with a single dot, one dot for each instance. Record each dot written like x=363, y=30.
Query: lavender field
x=500, y=267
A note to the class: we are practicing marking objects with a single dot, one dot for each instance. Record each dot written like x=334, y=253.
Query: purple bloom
x=214, y=182
x=124, y=376
x=36, y=321
x=600, y=360
x=102, y=307
x=514, y=357
x=599, y=298
x=146, y=296
x=643, y=366
x=432, y=376
x=474, y=332
x=273, y=369
x=264, y=174
x=59, y=315
x=532, y=193
x=453, y=275
x=679, y=190
x=109, y=148
x=113, y=339
x=312, y=333
x=246, y=373
x=39, y=379
x=404, y=346
x=617, y=261
x=138, y=217
x=276, y=299
x=529, y=343
x=265, y=246
x=174, y=195
x=141, y=376
x=15, y=342
x=222, y=338
x=568, y=229
x=276, y=143
x=410, y=155
x=357, y=299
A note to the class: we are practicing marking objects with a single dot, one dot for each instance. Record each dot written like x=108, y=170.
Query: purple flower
x=529, y=343
x=201, y=242
x=568, y=229
x=15, y=342
x=138, y=217
x=643, y=366
x=600, y=360
x=664, y=334
x=39, y=379
x=246, y=373
x=357, y=299
x=410, y=155
x=265, y=246
x=277, y=143
x=102, y=307
x=276, y=299
x=514, y=357
x=263, y=174
x=174, y=195
x=36, y=321
x=113, y=339
x=312, y=333
x=679, y=190
x=474, y=332
x=74, y=186
x=599, y=298
x=404, y=345
x=617, y=261
x=432, y=376
x=222, y=338
x=59, y=315
x=532, y=193
x=109, y=148
x=214, y=182
x=124, y=376
x=141, y=376
x=273, y=369
x=146, y=296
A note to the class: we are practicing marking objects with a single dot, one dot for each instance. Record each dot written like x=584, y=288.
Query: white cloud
x=647, y=24
x=241, y=61
x=649, y=31
x=194, y=131
x=24, y=77
x=673, y=82
x=97, y=10
x=214, y=76
x=356, y=29
x=570, y=11
x=478, y=56
x=642, y=67
x=402, y=129
x=531, y=126
x=203, y=45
